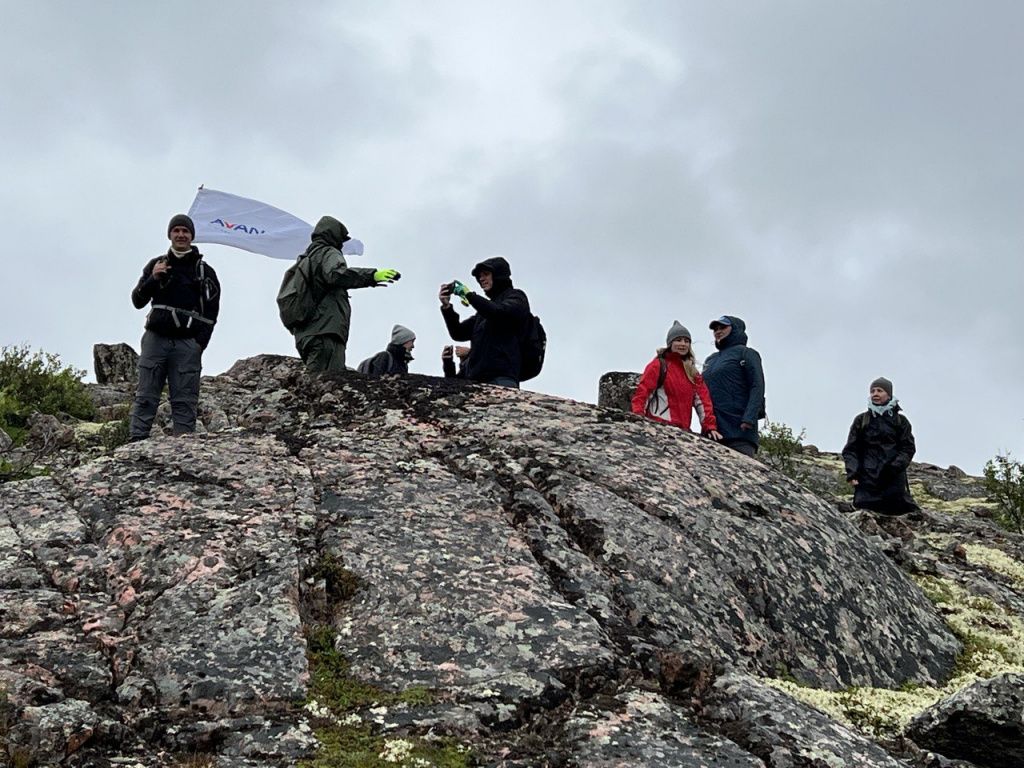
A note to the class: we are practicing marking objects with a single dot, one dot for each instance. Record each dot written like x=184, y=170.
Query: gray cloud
x=846, y=178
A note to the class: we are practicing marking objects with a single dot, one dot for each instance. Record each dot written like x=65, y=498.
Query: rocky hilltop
x=415, y=571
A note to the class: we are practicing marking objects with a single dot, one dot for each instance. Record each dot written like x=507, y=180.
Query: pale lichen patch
x=996, y=560
x=993, y=641
x=953, y=507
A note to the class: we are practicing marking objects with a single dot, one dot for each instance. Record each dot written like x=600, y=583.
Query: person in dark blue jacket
x=736, y=380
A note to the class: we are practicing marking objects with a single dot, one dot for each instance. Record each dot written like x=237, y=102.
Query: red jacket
x=678, y=396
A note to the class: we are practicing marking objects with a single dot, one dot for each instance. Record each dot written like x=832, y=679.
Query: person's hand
x=386, y=276
x=460, y=289
x=446, y=353
x=745, y=425
x=854, y=482
x=462, y=352
x=161, y=268
x=715, y=435
x=445, y=294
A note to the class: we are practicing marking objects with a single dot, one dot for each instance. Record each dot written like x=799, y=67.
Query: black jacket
x=186, y=301
x=496, y=330
x=877, y=453
x=394, y=359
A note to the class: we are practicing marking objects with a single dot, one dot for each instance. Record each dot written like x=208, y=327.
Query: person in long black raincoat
x=878, y=451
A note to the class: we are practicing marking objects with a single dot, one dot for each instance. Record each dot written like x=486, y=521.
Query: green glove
x=460, y=289
x=386, y=275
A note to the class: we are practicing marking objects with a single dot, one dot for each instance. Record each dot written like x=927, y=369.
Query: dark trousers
x=504, y=381
x=322, y=353
x=739, y=445
x=176, y=362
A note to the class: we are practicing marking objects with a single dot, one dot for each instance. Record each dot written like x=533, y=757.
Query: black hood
x=737, y=336
x=497, y=266
x=330, y=231
x=501, y=272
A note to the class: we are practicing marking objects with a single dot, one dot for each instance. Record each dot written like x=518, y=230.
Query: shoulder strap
x=865, y=419
x=662, y=373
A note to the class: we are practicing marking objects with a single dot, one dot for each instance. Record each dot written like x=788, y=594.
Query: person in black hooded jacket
x=878, y=451
x=735, y=378
x=185, y=296
x=496, y=330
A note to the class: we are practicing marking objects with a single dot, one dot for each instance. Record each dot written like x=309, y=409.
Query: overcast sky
x=846, y=177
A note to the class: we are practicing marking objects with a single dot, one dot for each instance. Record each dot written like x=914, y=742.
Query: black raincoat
x=877, y=453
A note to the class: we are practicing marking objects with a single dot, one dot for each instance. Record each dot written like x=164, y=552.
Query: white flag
x=248, y=224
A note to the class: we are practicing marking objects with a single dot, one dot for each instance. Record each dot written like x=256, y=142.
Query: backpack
x=533, y=346
x=296, y=299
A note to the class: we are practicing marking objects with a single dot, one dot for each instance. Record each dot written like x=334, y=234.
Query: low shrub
x=1004, y=481
x=38, y=382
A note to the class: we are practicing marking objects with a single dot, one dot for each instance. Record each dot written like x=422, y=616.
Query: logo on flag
x=248, y=224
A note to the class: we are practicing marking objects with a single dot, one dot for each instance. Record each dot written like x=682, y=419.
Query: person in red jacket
x=670, y=386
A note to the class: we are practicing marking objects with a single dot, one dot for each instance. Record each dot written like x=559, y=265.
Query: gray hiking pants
x=322, y=353
x=176, y=362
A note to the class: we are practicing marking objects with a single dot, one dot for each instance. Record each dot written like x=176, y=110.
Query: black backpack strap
x=662, y=373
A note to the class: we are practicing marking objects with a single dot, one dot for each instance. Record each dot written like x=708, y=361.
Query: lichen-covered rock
x=115, y=363
x=983, y=724
x=538, y=566
x=783, y=732
x=615, y=390
x=644, y=728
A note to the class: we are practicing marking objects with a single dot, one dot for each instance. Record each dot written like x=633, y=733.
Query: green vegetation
x=349, y=741
x=113, y=434
x=33, y=382
x=1004, y=480
x=780, y=449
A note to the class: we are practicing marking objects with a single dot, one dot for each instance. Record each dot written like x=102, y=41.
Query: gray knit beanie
x=400, y=334
x=181, y=220
x=677, y=330
x=884, y=383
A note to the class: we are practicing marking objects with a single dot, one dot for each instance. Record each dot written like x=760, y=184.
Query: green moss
x=341, y=583
x=935, y=589
x=358, y=747
x=346, y=739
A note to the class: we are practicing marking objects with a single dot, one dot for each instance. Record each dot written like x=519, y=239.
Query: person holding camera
x=184, y=294
x=448, y=355
x=496, y=330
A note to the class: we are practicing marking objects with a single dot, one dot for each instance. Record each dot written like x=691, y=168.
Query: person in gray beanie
x=395, y=358
x=670, y=388
x=184, y=297
x=879, y=448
